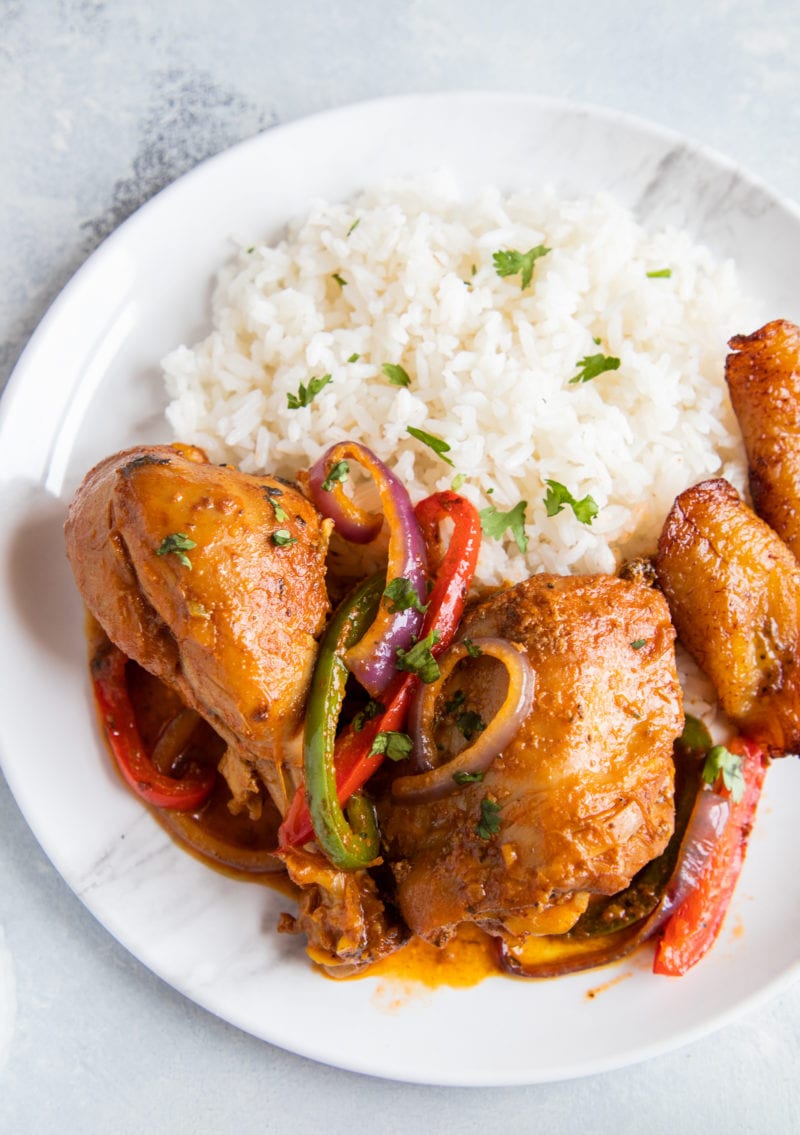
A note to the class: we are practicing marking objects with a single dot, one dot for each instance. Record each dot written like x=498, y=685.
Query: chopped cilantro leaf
x=354, y=225
x=591, y=365
x=489, y=823
x=472, y=650
x=695, y=736
x=396, y=746
x=660, y=274
x=468, y=777
x=438, y=446
x=494, y=523
x=558, y=496
x=281, y=537
x=339, y=279
x=470, y=723
x=467, y=721
x=457, y=482
x=456, y=701
x=638, y=643
x=371, y=710
x=509, y=262
x=354, y=357
x=177, y=544
x=419, y=660
x=720, y=762
x=396, y=374
x=281, y=515
x=306, y=394
x=402, y=594
x=338, y=472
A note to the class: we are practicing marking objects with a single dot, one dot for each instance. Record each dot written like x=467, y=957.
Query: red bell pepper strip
x=373, y=658
x=453, y=578
x=354, y=764
x=119, y=722
x=693, y=927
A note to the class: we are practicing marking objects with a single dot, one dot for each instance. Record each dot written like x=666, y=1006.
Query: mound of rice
x=405, y=274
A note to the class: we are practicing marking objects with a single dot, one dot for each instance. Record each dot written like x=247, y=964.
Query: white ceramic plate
x=89, y=384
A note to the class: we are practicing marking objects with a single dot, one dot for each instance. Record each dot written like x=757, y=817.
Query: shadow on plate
x=38, y=578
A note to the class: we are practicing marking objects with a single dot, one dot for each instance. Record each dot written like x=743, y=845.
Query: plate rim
x=94, y=263
x=635, y=122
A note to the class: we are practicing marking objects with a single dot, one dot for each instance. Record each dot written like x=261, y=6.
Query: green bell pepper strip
x=355, y=759
x=350, y=838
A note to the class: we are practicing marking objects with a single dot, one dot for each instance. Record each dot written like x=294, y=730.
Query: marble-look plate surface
x=89, y=383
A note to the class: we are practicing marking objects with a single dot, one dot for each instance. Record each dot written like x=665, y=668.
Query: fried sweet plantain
x=733, y=589
x=763, y=375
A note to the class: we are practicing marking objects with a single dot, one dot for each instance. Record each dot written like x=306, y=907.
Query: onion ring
x=373, y=659
x=354, y=523
x=438, y=782
x=231, y=843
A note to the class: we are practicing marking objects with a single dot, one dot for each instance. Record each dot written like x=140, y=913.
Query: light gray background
x=101, y=105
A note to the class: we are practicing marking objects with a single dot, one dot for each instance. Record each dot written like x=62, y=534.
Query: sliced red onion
x=706, y=823
x=419, y=723
x=373, y=659
x=438, y=782
x=172, y=741
x=253, y=854
x=355, y=524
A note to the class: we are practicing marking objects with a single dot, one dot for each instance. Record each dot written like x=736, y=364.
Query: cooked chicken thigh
x=583, y=796
x=213, y=581
x=733, y=589
x=763, y=374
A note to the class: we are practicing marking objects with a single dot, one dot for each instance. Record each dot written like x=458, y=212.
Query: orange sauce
x=465, y=960
x=598, y=989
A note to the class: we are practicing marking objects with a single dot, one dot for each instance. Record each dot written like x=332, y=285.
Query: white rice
x=490, y=364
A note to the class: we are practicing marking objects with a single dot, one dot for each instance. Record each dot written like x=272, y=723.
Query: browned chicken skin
x=583, y=796
x=229, y=620
x=733, y=589
x=763, y=374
